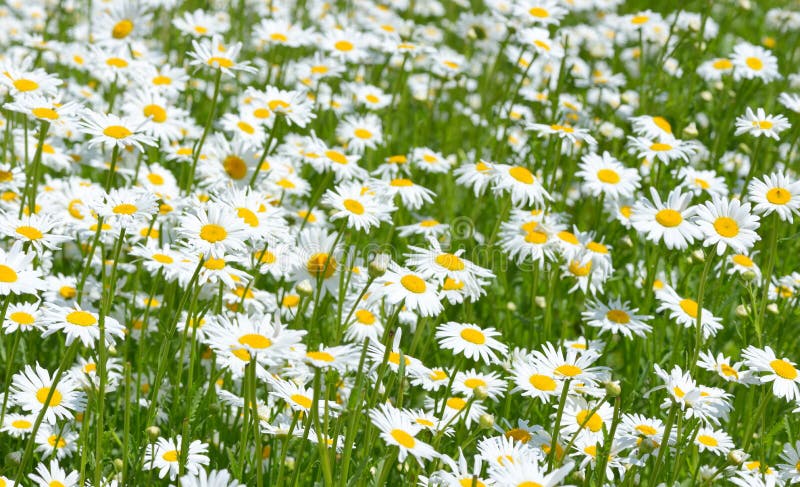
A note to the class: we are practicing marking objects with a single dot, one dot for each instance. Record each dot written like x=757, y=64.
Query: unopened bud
x=511, y=306
x=289, y=463
x=736, y=457
x=699, y=256
x=613, y=388
x=742, y=311
x=690, y=130
x=480, y=392
x=13, y=458
x=118, y=464
x=706, y=96
x=626, y=241
x=772, y=309
x=540, y=301
x=748, y=275
x=304, y=288
x=153, y=432
x=378, y=266
x=647, y=446
x=486, y=421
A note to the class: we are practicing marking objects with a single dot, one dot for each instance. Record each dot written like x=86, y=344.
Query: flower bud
x=736, y=457
x=691, y=130
x=540, y=302
x=480, y=392
x=486, y=421
x=699, y=256
x=748, y=275
x=304, y=288
x=742, y=311
x=118, y=464
x=613, y=388
x=153, y=432
x=706, y=96
x=511, y=306
x=378, y=265
x=772, y=309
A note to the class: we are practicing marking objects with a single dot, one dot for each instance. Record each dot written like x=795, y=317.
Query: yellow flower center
x=784, y=369
x=362, y=133
x=246, y=127
x=320, y=356
x=117, y=132
x=353, y=206
x=321, y=264
x=579, y=270
x=122, y=29
x=754, y=63
x=30, y=233
x=24, y=84
x=521, y=174
x=568, y=370
x=220, y=62
x=46, y=113
x=669, y=218
x=55, y=400
x=413, y=283
x=608, y=176
x=778, y=196
x=235, y=167
x=722, y=64
x=22, y=424
x=125, y=209
x=7, y=274
x=473, y=336
x=344, y=46
x=22, y=318
x=646, y=429
x=254, y=340
x=726, y=226
x=660, y=147
x=456, y=403
x=81, y=318
x=662, y=123
x=213, y=233
x=594, y=422
x=762, y=124
x=707, y=440
x=336, y=156
x=450, y=262
x=618, y=316
x=542, y=382
x=301, y=400
x=162, y=80
x=689, y=306
x=156, y=113
x=365, y=317
x=728, y=371
x=539, y=12
x=742, y=260
x=403, y=439
x=248, y=216
x=56, y=441
x=170, y=456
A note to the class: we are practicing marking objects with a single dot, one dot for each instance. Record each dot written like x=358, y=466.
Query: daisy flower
x=36, y=230
x=22, y=316
x=721, y=365
x=685, y=310
x=77, y=323
x=401, y=286
x=716, y=441
x=541, y=12
x=114, y=130
x=359, y=205
x=617, y=317
x=396, y=429
x=575, y=365
x=791, y=456
x=476, y=176
x=17, y=275
x=164, y=456
x=780, y=371
x=759, y=123
x=606, y=175
x=472, y=341
x=54, y=476
x=535, y=380
x=361, y=133
x=127, y=206
x=436, y=264
x=413, y=196
x=668, y=221
x=750, y=62
x=741, y=264
x=727, y=223
x=664, y=150
x=213, y=232
x=652, y=127
x=30, y=388
x=584, y=419
x=777, y=193
x=215, y=54
x=525, y=188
